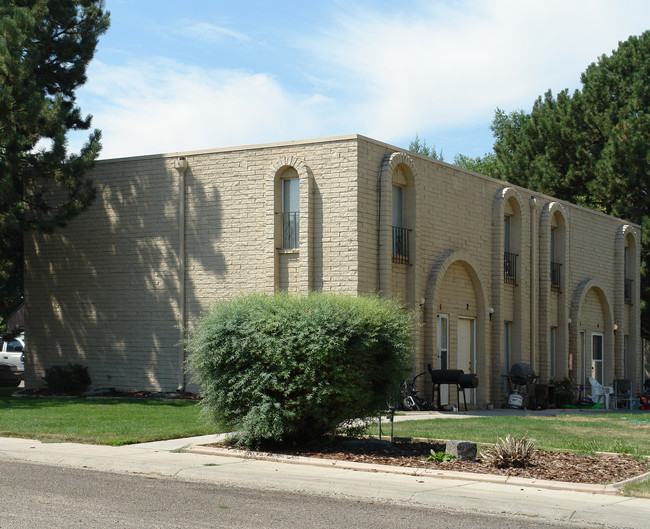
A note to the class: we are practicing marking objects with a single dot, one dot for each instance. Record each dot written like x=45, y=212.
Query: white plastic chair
x=600, y=392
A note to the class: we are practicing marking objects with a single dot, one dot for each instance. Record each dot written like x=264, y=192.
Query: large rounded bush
x=280, y=367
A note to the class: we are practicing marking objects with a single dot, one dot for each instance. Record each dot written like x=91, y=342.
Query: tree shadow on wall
x=105, y=290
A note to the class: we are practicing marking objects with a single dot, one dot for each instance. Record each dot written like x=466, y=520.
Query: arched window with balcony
x=554, y=360
x=290, y=209
x=557, y=251
x=629, y=266
x=288, y=228
x=511, y=240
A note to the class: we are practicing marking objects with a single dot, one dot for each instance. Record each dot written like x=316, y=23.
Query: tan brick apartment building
x=497, y=273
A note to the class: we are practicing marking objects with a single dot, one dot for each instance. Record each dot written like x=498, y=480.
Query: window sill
x=285, y=251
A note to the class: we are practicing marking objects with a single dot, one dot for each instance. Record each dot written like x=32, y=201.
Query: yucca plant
x=510, y=452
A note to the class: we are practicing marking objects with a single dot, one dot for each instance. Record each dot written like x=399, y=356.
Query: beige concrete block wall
x=593, y=256
x=226, y=221
x=289, y=273
x=104, y=291
x=455, y=215
x=370, y=157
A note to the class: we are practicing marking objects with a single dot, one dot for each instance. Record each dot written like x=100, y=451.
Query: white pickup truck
x=12, y=360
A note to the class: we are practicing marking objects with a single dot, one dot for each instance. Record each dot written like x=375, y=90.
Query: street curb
x=409, y=471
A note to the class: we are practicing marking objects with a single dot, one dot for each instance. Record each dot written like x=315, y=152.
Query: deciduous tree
x=481, y=164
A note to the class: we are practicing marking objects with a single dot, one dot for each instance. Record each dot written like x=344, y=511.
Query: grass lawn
x=100, y=421
x=126, y=421
x=584, y=433
x=639, y=489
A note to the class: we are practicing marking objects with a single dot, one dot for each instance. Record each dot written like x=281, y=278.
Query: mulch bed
x=601, y=469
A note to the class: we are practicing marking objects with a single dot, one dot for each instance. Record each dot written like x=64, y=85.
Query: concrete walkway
x=187, y=460
x=505, y=412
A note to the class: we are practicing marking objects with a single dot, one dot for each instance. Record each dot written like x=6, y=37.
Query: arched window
x=402, y=214
x=629, y=257
x=289, y=232
x=558, y=234
x=400, y=232
x=291, y=212
x=511, y=240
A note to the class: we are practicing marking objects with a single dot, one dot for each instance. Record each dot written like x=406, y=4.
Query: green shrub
x=70, y=379
x=287, y=368
x=564, y=391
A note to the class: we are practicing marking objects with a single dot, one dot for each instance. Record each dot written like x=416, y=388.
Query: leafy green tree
x=421, y=147
x=486, y=165
x=45, y=48
x=591, y=147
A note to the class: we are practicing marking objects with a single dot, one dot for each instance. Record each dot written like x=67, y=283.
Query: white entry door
x=466, y=348
x=597, y=357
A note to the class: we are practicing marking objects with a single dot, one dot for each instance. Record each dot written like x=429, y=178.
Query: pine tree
x=45, y=49
x=592, y=147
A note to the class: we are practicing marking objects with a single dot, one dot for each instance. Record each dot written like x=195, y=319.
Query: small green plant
x=564, y=391
x=510, y=452
x=441, y=457
x=71, y=379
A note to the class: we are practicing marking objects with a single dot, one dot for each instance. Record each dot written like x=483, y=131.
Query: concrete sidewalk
x=465, y=492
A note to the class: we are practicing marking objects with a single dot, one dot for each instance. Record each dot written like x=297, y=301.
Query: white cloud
x=164, y=106
x=451, y=64
x=207, y=32
x=436, y=68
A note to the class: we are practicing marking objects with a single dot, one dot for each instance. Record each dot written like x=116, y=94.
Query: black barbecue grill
x=522, y=379
x=451, y=376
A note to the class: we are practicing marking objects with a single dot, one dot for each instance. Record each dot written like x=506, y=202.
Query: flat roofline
x=251, y=147
x=348, y=137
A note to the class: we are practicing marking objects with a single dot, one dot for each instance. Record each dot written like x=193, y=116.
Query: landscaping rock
x=463, y=450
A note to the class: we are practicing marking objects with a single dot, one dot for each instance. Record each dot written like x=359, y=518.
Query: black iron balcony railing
x=628, y=291
x=400, y=245
x=510, y=268
x=290, y=229
x=556, y=277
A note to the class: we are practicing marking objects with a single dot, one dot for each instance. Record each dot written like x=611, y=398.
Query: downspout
x=181, y=165
x=379, y=230
x=379, y=254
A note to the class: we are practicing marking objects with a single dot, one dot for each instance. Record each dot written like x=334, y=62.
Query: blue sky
x=175, y=76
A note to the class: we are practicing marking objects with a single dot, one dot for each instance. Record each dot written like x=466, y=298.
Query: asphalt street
x=40, y=496
x=185, y=482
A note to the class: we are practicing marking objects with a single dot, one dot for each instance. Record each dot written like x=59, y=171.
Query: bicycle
x=410, y=400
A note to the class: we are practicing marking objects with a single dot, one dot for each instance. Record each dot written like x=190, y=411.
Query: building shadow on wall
x=105, y=291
